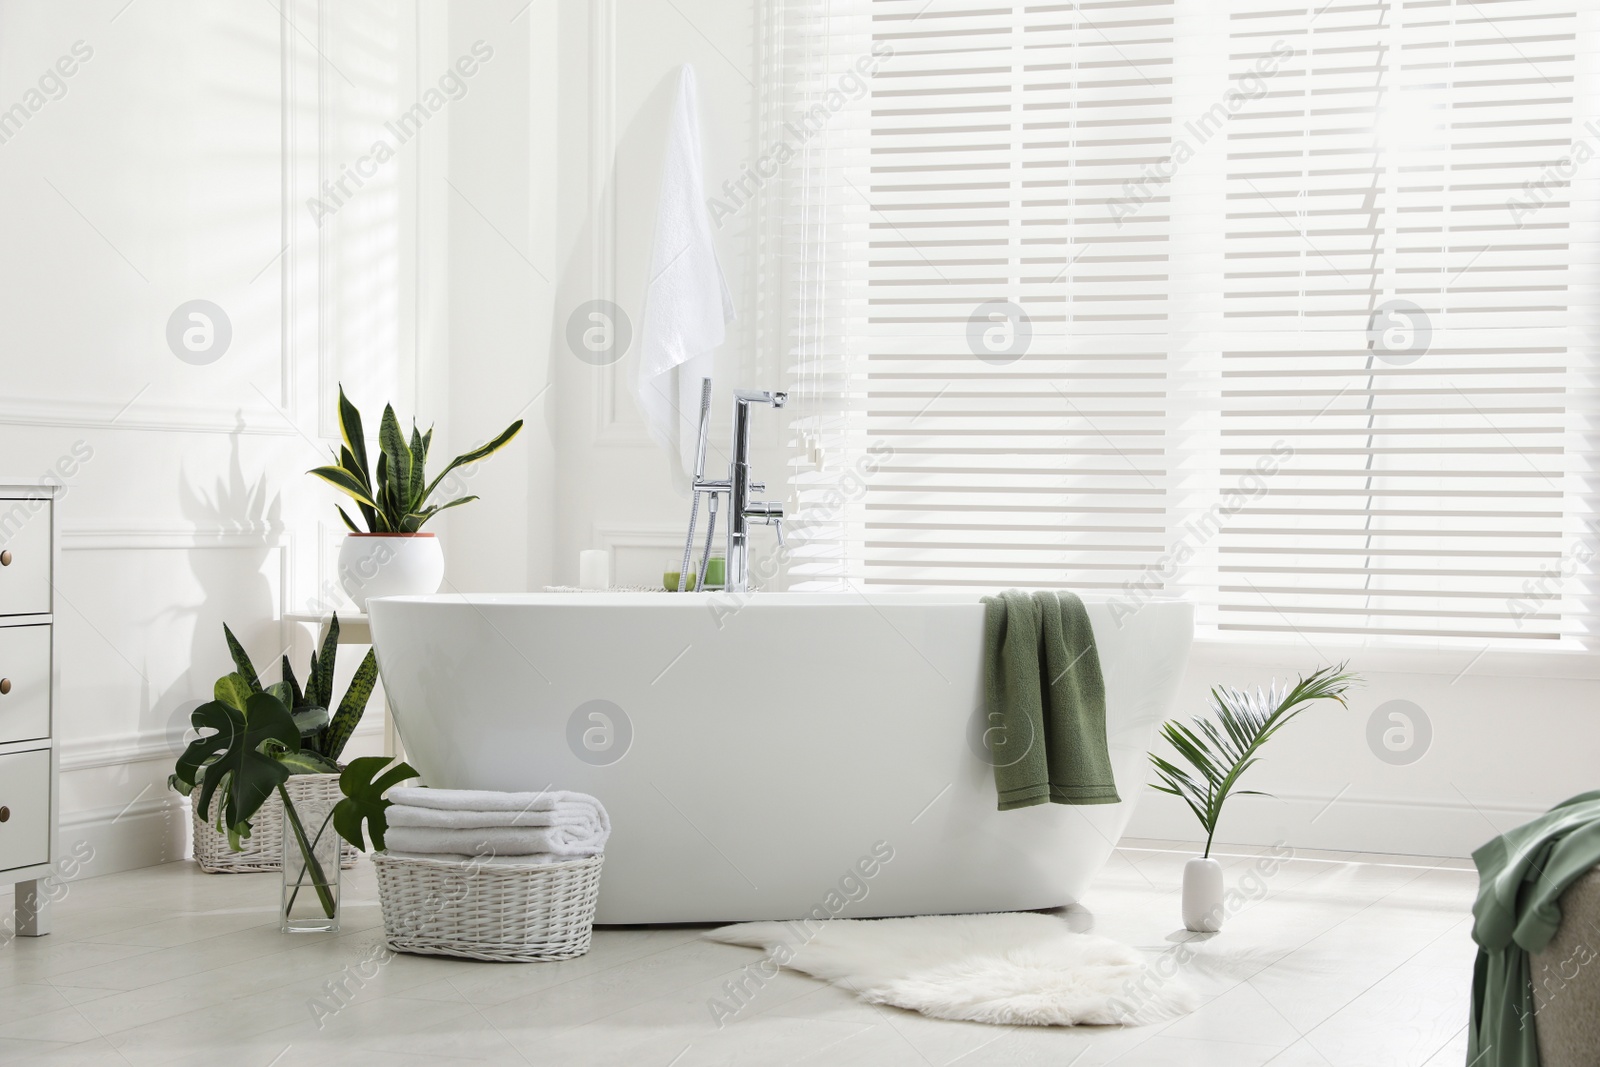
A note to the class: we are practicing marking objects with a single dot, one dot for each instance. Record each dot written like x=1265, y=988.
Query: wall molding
x=614, y=535
x=139, y=415
x=1412, y=826
x=146, y=746
x=274, y=419
x=84, y=537
x=609, y=429
x=116, y=750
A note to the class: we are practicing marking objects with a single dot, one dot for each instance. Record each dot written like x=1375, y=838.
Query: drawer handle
x=5, y=814
x=5, y=687
x=5, y=558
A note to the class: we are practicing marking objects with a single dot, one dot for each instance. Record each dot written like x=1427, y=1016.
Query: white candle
x=594, y=568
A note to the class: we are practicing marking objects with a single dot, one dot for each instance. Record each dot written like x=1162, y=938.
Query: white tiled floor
x=1347, y=960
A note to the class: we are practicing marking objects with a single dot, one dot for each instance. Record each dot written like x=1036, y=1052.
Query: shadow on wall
x=592, y=330
x=239, y=524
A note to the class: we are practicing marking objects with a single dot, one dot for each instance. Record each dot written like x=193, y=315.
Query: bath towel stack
x=547, y=827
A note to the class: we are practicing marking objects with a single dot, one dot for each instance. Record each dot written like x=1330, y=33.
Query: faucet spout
x=760, y=396
x=741, y=509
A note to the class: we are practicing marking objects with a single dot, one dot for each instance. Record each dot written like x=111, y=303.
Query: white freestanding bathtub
x=760, y=755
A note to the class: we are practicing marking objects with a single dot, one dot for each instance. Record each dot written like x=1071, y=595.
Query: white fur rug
x=1010, y=969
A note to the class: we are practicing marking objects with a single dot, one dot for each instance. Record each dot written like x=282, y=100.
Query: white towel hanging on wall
x=687, y=304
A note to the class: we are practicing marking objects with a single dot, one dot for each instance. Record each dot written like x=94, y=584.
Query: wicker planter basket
x=516, y=913
x=263, y=850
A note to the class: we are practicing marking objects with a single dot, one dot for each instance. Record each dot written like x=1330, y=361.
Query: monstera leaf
x=239, y=756
x=363, y=789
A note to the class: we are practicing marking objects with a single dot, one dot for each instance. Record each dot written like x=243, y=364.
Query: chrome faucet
x=741, y=509
x=737, y=487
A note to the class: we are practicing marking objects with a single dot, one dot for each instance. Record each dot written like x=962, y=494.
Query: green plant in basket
x=253, y=737
x=243, y=755
x=324, y=731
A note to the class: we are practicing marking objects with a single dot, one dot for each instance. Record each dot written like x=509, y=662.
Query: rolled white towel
x=487, y=799
x=585, y=818
x=538, y=859
x=496, y=841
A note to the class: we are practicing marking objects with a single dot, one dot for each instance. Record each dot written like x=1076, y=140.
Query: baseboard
x=153, y=829
x=1347, y=823
x=108, y=840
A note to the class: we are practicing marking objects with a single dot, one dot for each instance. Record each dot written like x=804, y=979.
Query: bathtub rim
x=721, y=598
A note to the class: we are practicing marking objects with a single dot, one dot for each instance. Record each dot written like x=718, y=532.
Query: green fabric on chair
x=1045, y=702
x=1521, y=876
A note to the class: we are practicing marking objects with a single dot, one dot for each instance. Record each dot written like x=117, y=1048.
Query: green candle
x=669, y=581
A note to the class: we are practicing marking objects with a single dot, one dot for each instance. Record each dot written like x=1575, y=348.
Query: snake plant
x=1219, y=752
x=393, y=497
x=324, y=731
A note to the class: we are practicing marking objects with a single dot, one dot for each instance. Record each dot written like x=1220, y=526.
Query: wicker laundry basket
x=509, y=912
x=263, y=849
x=1566, y=992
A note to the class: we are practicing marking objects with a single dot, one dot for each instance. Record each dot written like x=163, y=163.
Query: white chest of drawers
x=29, y=688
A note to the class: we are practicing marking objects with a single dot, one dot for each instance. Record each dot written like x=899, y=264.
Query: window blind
x=1284, y=307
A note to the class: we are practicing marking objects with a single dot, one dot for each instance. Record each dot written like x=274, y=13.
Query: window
x=1284, y=307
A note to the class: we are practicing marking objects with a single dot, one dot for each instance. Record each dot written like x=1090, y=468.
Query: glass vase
x=310, y=902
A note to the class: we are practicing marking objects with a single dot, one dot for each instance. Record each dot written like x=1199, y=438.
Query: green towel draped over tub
x=1044, y=701
x=1521, y=876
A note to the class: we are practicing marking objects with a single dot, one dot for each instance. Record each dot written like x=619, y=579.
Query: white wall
x=619, y=74
x=1495, y=738
x=501, y=202
x=177, y=163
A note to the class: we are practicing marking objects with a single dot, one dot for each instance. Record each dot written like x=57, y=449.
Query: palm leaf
x=1221, y=749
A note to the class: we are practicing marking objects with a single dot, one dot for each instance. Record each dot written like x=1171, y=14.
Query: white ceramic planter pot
x=1202, y=895
x=390, y=565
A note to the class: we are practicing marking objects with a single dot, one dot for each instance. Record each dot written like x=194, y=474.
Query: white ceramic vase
x=390, y=565
x=1202, y=895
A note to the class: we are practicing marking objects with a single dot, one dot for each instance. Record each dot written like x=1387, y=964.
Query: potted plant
x=1218, y=753
x=391, y=556
x=294, y=731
